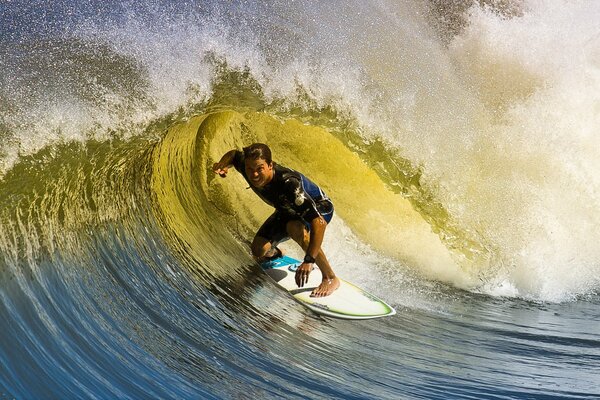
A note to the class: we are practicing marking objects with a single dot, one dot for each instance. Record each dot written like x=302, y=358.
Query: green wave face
x=195, y=202
x=65, y=189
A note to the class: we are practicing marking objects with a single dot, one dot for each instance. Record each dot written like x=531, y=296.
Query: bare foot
x=326, y=287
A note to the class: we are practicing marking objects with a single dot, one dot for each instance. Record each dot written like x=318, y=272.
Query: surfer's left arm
x=317, y=232
x=305, y=206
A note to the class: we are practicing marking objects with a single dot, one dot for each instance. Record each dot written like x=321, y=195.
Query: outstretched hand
x=218, y=168
x=302, y=274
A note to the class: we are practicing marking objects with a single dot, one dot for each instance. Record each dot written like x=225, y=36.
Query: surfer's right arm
x=222, y=167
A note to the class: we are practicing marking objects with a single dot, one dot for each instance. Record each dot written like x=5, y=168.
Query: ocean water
x=458, y=141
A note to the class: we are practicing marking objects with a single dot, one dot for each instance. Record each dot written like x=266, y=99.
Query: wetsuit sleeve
x=301, y=202
x=238, y=162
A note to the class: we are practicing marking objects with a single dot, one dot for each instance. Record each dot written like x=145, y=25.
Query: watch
x=308, y=259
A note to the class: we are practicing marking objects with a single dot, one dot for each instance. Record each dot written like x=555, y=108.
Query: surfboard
x=347, y=302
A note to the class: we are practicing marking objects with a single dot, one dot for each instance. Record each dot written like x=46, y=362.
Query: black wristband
x=309, y=259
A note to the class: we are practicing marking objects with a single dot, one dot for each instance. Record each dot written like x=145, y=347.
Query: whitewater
x=458, y=141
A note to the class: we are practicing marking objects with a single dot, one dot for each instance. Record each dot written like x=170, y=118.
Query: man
x=302, y=211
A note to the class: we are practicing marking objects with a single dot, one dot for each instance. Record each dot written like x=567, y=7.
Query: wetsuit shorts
x=274, y=228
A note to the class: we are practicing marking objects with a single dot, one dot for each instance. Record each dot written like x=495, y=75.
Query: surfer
x=302, y=211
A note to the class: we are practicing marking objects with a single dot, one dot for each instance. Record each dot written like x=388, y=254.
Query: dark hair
x=258, y=151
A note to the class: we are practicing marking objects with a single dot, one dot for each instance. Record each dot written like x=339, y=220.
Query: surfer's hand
x=221, y=170
x=302, y=274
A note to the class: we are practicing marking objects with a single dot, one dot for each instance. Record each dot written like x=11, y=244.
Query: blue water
x=127, y=275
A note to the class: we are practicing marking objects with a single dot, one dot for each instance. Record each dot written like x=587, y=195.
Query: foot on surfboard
x=326, y=287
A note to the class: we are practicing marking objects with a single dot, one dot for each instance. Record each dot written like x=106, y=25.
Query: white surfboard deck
x=347, y=302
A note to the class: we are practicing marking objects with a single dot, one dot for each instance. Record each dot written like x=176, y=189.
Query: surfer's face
x=259, y=172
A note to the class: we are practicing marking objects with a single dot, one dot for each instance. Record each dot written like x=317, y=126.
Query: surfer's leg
x=261, y=247
x=298, y=231
x=272, y=232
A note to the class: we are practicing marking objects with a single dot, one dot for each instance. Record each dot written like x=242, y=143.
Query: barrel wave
x=460, y=162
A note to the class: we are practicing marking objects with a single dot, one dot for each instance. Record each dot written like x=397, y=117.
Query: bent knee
x=260, y=248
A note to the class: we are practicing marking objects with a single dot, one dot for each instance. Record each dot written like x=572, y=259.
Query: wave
x=458, y=154
x=457, y=142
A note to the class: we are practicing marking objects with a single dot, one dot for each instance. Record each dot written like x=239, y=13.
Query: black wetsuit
x=294, y=196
